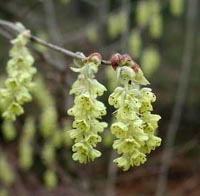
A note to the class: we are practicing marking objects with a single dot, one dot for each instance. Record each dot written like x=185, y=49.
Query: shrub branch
x=13, y=27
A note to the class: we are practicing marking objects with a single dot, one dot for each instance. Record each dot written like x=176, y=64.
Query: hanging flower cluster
x=87, y=110
x=135, y=125
x=19, y=82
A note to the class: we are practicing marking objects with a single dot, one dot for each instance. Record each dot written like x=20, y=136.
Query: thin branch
x=51, y=21
x=180, y=97
x=15, y=29
x=42, y=56
x=53, y=31
x=126, y=8
x=5, y=34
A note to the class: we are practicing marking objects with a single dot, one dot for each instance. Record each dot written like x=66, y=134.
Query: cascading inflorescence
x=135, y=125
x=87, y=110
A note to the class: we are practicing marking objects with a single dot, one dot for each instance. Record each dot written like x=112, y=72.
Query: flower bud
x=94, y=57
x=115, y=60
x=126, y=60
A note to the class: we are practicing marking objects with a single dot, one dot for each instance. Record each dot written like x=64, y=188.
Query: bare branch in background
x=15, y=29
x=53, y=31
x=180, y=97
x=126, y=6
x=5, y=34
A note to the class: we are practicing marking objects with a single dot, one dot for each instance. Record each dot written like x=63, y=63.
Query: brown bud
x=94, y=57
x=126, y=60
x=115, y=60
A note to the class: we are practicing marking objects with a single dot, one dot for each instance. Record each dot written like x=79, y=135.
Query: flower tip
x=95, y=54
x=126, y=60
x=126, y=57
x=94, y=57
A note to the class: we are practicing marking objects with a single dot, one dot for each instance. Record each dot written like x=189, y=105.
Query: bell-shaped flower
x=84, y=101
x=119, y=129
x=133, y=101
x=77, y=87
x=126, y=112
x=145, y=149
x=81, y=125
x=125, y=145
x=13, y=110
x=141, y=137
x=98, y=109
x=93, y=154
x=116, y=98
x=148, y=129
x=153, y=142
x=146, y=95
x=80, y=147
x=96, y=88
x=126, y=74
x=146, y=107
x=80, y=156
x=123, y=163
x=98, y=126
x=137, y=123
x=93, y=139
x=138, y=158
x=77, y=135
x=23, y=95
x=12, y=83
x=151, y=119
